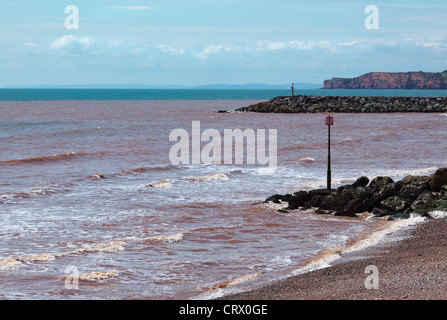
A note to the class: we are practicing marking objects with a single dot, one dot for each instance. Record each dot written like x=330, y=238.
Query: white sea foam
x=239, y=280
x=222, y=288
x=160, y=184
x=169, y=239
x=306, y=160
x=112, y=246
x=9, y=264
x=98, y=275
x=215, y=176
x=326, y=257
x=14, y=262
x=44, y=257
x=410, y=172
x=438, y=214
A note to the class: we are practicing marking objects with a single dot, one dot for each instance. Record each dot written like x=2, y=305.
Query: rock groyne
x=424, y=195
x=348, y=104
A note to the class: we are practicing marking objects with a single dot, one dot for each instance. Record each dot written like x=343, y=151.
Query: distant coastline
x=391, y=80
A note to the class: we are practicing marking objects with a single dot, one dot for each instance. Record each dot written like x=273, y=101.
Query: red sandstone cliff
x=386, y=80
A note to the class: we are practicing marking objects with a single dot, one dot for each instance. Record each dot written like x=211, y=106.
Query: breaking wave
x=168, y=239
x=44, y=159
x=306, y=160
x=215, y=176
x=98, y=275
x=159, y=184
x=115, y=246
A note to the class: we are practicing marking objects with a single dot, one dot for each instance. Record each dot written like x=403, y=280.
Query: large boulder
x=315, y=201
x=362, y=192
x=413, y=190
x=384, y=191
x=361, y=182
x=395, y=204
x=380, y=182
x=425, y=201
x=438, y=179
x=354, y=206
x=298, y=199
x=336, y=201
x=421, y=180
x=276, y=198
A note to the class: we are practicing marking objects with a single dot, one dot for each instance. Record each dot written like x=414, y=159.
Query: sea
x=92, y=205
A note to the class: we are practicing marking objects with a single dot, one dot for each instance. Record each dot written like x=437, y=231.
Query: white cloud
x=271, y=46
x=210, y=50
x=71, y=43
x=166, y=48
x=294, y=44
x=347, y=44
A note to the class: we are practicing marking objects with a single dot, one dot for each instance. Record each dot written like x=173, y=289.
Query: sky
x=198, y=42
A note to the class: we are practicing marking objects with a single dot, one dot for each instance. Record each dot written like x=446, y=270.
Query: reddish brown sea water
x=79, y=191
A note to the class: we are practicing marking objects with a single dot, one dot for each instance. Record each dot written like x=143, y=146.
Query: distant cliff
x=387, y=80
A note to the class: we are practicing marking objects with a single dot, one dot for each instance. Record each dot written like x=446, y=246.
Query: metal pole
x=329, y=157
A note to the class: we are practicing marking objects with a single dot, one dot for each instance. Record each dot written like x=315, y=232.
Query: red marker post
x=329, y=121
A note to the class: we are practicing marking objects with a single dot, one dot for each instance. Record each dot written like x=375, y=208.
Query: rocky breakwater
x=347, y=104
x=424, y=195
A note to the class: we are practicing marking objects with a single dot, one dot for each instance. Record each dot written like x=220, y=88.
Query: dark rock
x=441, y=205
x=282, y=211
x=369, y=204
x=395, y=204
x=443, y=192
x=306, y=206
x=438, y=179
x=343, y=213
x=415, y=180
x=380, y=212
x=362, y=192
x=315, y=201
x=384, y=191
x=320, y=211
x=336, y=201
x=322, y=192
x=399, y=215
x=425, y=201
x=355, y=206
x=298, y=200
x=380, y=182
x=413, y=190
x=361, y=182
x=276, y=198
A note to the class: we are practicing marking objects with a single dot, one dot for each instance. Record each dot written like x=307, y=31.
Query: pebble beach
x=412, y=267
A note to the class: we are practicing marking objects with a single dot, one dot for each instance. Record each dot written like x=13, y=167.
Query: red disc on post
x=329, y=121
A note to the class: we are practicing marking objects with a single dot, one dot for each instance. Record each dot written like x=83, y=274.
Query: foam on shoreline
x=379, y=233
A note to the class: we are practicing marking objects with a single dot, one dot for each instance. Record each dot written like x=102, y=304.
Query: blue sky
x=195, y=42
